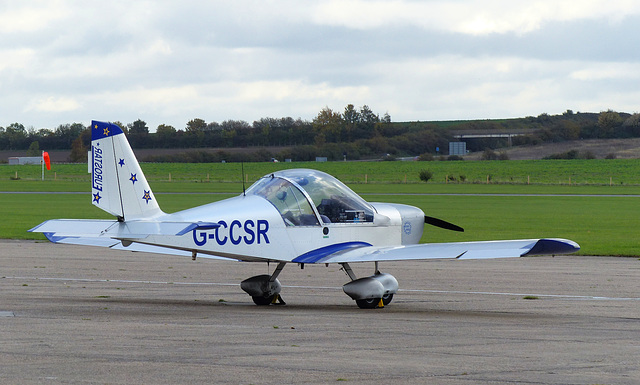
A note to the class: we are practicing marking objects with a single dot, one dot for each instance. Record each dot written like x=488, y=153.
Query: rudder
x=118, y=185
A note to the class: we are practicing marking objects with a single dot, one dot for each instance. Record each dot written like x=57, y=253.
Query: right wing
x=456, y=250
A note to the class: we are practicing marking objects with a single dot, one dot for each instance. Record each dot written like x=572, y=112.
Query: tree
x=632, y=125
x=16, y=136
x=139, y=127
x=80, y=147
x=367, y=116
x=608, y=121
x=328, y=125
x=351, y=119
x=234, y=125
x=138, y=134
x=34, y=149
x=213, y=126
x=350, y=115
x=166, y=135
x=196, y=125
x=68, y=132
x=165, y=130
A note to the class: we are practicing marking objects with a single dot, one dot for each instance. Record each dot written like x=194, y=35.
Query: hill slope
x=621, y=148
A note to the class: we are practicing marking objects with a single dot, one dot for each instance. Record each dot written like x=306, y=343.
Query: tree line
x=355, y=133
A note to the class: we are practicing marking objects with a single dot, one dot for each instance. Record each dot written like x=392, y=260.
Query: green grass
x=603, y=224
x=619, y=172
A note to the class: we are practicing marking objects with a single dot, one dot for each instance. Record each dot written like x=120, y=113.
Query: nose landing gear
x=265, y=289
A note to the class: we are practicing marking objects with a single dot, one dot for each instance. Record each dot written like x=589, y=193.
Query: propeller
x=442, y=224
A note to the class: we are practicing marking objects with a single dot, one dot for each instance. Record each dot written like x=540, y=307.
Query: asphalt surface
x=71, y=314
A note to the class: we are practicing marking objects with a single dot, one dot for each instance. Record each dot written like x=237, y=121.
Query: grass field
x=555, y=172
x=603, y=219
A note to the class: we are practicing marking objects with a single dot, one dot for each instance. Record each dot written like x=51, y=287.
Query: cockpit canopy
x=307, y=197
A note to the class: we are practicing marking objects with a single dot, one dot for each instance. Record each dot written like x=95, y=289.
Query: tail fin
x=118, y=185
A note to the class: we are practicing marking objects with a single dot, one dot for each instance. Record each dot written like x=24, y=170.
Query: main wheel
x=263, y=301
x=370, y=303
x=386, y=299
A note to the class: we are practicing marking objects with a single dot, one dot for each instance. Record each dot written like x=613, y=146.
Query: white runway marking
x=559, y=296
x=562, y=296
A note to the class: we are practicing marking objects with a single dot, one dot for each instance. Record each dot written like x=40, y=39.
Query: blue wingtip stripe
x=553, y=246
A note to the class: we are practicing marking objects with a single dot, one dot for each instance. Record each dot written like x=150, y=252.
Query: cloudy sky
x=172, y=61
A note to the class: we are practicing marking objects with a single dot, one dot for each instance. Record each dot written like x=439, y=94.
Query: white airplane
x=299, y=216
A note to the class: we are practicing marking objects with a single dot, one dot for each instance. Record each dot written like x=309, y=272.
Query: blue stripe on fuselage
x=315, y=256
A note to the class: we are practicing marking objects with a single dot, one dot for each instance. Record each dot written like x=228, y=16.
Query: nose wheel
x=263, y=301
x=264, y=289
x=275, y=299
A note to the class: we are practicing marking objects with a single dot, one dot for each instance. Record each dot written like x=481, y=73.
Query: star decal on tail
x=147, y=196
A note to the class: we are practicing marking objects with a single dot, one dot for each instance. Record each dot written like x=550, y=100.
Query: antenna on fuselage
x=243, y=189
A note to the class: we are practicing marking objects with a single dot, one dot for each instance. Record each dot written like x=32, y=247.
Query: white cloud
x=53, y=104
x=29, y=17
x=16, y=59
x=475, y=17
x=168, y=62
x=607, y=71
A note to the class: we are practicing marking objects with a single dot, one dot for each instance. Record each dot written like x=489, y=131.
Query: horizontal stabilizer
x=115, y=235
x=118, y=245
x=118, y=230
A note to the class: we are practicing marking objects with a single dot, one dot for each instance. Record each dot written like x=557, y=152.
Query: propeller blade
x=442, y=224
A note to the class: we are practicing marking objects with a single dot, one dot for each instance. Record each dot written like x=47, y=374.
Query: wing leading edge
x=458, y=250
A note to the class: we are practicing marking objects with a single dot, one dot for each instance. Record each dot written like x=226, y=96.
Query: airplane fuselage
x=262, y=233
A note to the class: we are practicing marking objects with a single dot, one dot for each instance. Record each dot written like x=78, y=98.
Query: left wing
x=457, y=250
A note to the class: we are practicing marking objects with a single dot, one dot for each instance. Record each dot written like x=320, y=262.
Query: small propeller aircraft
x=299, y=216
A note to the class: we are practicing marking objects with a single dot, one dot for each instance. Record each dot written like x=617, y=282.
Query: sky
x=168, y=62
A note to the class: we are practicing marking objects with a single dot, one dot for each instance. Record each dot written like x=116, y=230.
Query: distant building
x=16, y=160
x=458, y=148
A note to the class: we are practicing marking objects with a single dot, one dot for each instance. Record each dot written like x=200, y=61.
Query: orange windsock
x=47, y=160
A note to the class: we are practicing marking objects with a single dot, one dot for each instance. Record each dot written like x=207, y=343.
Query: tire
x=386, y=299
x=263, y=301
x=370, y=303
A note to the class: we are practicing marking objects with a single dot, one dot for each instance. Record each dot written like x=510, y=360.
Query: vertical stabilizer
x=118, y=185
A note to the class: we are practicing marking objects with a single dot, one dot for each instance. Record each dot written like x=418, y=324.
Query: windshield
x=287, y=198
x=333, y=200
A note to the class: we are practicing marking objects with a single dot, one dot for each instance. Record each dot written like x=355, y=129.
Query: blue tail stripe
x=101, y=130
